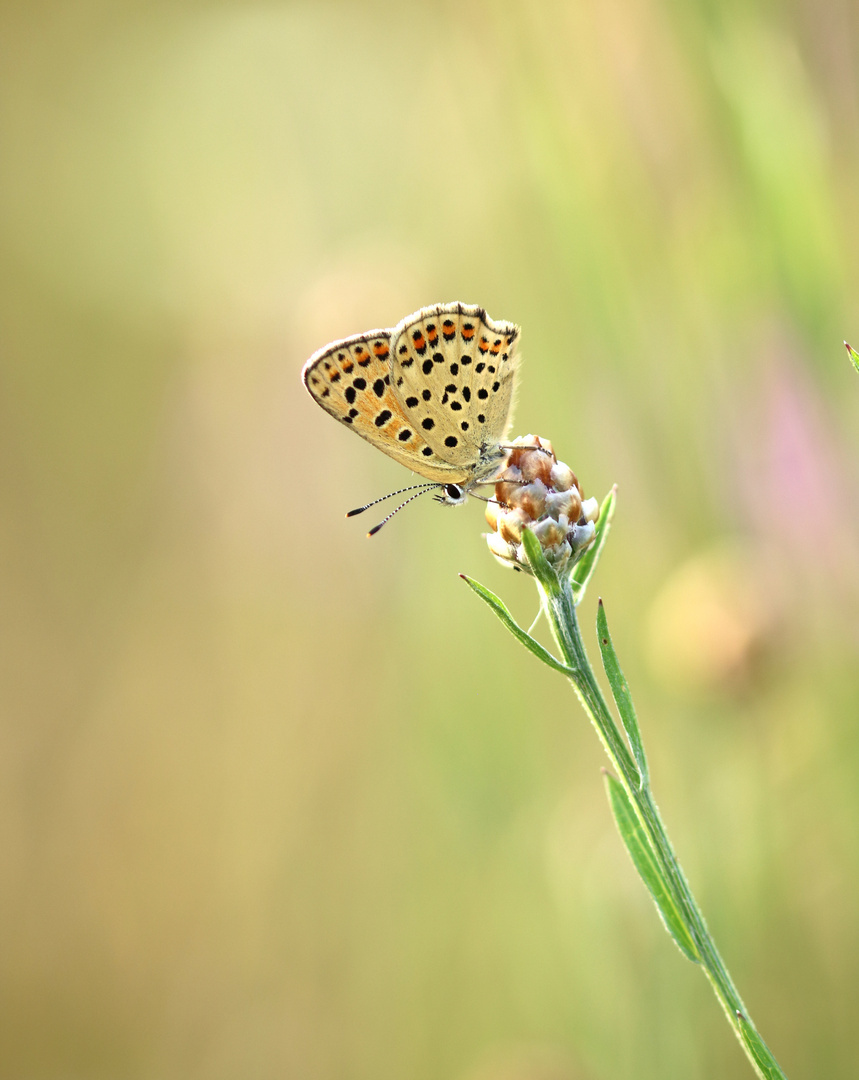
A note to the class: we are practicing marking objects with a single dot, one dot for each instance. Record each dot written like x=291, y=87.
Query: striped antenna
x=390, y=495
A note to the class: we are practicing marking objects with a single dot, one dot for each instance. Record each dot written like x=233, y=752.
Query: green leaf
x=644, y=858
x=515, y=629
x=583, y=570
x=543, y=571
x=622, y=697
x=759, y=1050
x=854, y=356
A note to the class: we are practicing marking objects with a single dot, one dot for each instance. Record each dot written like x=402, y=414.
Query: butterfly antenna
x=361, y=509
x=411, y=498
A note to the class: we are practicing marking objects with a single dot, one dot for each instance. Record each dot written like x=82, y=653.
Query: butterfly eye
x=454, y=491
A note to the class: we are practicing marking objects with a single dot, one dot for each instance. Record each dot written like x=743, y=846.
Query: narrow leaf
x=854, y=356
x=759, y=1050
x=583, y=570
x=622, y=697
x=543, y=571
x=515, y=629
x=644, y=858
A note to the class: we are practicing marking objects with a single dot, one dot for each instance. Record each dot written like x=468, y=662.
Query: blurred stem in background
x=629, y=791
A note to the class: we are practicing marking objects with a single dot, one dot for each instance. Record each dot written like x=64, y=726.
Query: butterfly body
x=434, y=392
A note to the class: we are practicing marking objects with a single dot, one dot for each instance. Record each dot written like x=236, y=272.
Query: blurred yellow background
x=279, y=801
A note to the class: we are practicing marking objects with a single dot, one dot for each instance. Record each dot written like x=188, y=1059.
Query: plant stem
x=562, y=612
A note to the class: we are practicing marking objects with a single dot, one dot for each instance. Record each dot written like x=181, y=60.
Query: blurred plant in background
x=265, y=808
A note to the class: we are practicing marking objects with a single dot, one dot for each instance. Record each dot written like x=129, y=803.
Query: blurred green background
x=279, y=801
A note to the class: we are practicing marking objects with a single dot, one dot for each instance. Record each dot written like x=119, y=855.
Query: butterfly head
x=452, y=495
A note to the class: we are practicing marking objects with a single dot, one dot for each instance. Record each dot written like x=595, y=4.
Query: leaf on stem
x=644, y=858
x=543, y=571
x=759, y=1050
x=622, y=697
x=515, y=629
x=583, y=570
x=854, y=356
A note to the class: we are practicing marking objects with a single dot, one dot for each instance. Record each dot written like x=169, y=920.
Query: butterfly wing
x=351, y=379
x=454, y=369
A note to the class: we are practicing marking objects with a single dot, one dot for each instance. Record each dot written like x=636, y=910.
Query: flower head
x=534, y=490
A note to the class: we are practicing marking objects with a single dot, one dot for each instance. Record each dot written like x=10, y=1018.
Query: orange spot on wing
x=468, y=332
x=347, y=366
x=496, y=348
x=432, y=334
x=381, y=349
x=484, y=345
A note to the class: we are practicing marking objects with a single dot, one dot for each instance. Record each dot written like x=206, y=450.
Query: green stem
x=562, y=612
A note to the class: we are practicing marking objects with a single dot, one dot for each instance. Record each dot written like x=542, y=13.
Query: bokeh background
x=279, y=801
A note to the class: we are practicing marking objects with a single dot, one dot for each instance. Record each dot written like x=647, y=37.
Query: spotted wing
x=351, y=380
x=454, y=370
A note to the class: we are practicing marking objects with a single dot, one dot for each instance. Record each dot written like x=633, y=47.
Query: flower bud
x=500, y=548
x=534, y=490
x=591, y=510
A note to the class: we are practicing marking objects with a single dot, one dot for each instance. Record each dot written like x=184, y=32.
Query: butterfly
x=435, y=393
